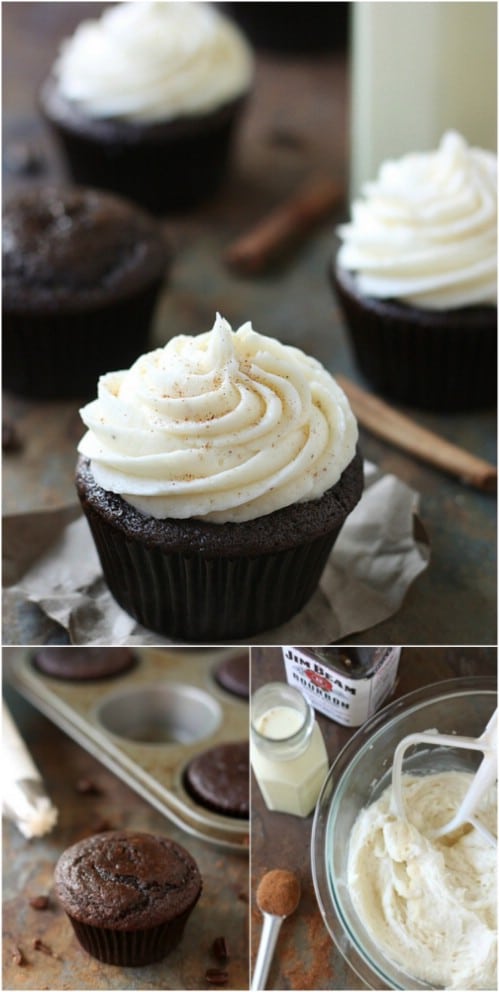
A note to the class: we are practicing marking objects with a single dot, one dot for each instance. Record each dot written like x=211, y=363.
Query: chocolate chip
x=39, y=902
x=220, y=949
x=86, y=787
x=216, y=976
x=10, y=438
x=38, y=945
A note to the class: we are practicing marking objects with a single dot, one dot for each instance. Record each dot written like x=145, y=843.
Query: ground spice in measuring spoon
x=278, y=892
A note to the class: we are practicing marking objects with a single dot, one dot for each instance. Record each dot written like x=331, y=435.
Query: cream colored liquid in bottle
x=288, y=754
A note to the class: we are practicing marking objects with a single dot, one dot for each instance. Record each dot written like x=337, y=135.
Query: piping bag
x=24, y=798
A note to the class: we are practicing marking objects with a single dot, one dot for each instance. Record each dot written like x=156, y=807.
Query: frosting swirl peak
x=425, y=232
x=226, y=426
x=154, y=61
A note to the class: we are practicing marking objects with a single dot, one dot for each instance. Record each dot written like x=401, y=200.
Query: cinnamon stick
x=284, y=225
x=387, y=423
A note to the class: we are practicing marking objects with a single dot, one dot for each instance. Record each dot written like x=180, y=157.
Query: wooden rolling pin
x=381, y=419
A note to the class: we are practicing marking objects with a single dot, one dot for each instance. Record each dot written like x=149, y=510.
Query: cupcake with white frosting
x=145, y=100
x=416, y=277
x=216, y=474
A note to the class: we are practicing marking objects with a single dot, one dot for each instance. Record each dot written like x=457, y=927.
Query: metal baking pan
x=147, y=724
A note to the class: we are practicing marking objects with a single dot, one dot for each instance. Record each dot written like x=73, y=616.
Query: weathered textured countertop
x=296, y=125
x=306, y=958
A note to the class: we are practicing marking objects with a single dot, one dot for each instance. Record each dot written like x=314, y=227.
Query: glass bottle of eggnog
x=288, y=754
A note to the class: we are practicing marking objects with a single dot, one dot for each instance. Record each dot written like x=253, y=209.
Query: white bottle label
x=347, y=701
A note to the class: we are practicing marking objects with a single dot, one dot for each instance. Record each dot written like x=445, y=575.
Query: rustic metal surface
x=28, y=872
x=305, y=956
x=145, y=726
x=296, y=124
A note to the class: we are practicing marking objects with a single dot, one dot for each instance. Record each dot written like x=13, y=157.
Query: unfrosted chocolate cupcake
x=145, y=101
x=416, y=278
x=82, y=271
x=219, y=779
x=83, y=664
x=128, y=895
x=233, y=674
x=231, y=469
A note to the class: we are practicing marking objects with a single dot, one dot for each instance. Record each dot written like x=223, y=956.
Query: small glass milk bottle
x=288, y=754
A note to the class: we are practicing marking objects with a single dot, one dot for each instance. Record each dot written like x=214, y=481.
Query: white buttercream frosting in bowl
x=425, y=231
x=154, y=61
x=223, y=426
x=428, y=905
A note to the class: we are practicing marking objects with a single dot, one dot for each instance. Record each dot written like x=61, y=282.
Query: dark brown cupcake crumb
x=86, y=787
x=11, y=441
x=18, y=957
x=220, y=949
x=216, y=976
x=39, y=902
x=39, y=945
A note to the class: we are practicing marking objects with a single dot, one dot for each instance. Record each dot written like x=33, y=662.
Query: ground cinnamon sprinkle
x=278, y=892
x=315, y=963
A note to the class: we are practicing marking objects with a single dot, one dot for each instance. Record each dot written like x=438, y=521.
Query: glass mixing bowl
x=359, y=775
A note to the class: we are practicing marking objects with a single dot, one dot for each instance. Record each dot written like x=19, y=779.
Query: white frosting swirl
x=426, y=231
x=152, y=62
x=226, y=426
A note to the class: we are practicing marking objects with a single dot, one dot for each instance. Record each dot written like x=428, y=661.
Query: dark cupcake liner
x=207, y=599
x=293, y=28
x=55, y=355
x=130, y=948
x=164, y=167
x=200, y=593
x=436, y=360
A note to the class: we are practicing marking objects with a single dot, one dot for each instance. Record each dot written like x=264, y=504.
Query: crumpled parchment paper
x=381, y=549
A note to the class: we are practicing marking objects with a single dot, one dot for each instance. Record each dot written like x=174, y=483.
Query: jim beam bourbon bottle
x=347, y=684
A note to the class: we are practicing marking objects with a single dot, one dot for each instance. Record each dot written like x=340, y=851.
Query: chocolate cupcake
x=128, y=895
x=82, y=271
x=215, y=515
x=219, y=779
x=416, y=279
x=145, y=101
x=233, y=675
x=83, y=664
x=293, y=28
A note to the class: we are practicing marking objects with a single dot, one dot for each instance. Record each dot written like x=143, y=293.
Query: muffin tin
x=147, y=724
